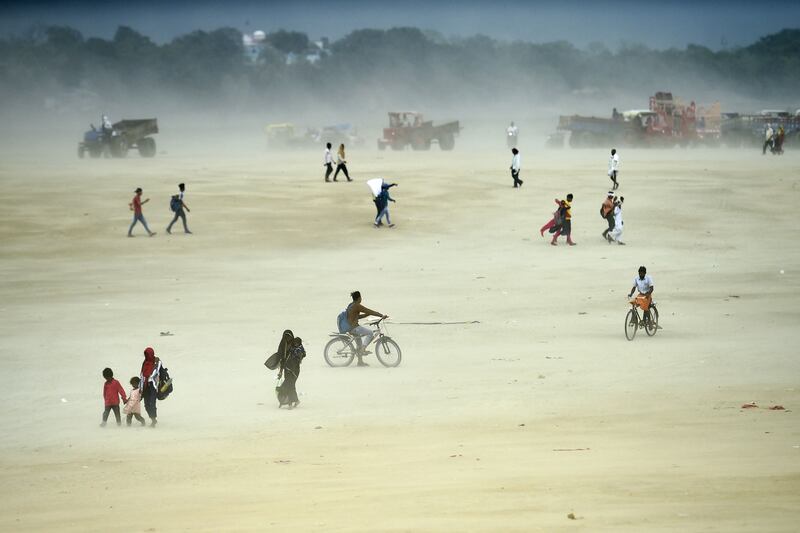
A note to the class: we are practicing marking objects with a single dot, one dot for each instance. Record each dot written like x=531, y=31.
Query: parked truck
x=123, y=136
x=409, y=128
x=666, y=122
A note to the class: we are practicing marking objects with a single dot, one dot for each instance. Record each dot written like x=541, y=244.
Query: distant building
x=253, y=44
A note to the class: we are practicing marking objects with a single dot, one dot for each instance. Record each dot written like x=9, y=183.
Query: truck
x=409, y=128
x=123, y=136
x=666, y=122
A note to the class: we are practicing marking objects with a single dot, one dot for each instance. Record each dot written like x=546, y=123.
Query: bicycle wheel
x=388, y=352
x=340, y=351
x=652, y=325
x=631, y=324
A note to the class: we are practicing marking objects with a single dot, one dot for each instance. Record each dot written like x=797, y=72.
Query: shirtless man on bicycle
x=645, y=297
x=362, y=334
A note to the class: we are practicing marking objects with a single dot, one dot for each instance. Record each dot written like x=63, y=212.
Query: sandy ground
x=540, y=409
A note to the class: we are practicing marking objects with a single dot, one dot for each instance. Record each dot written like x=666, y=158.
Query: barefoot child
x=112, y=391
x=134, y=406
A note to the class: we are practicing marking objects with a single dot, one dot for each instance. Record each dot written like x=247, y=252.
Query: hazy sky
x=662, y=24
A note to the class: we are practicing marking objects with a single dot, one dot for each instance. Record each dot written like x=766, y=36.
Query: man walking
x=512, y=134
x=768, y=138
x=136, y=207
x=177, y=205
x=566, y=225
x=613, y=167
x=607, y=212
x=363, y=335
x=515, y=165
x=328, y=162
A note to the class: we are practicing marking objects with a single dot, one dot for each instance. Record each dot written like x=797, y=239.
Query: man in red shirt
x=112, y=391
x=136, y=207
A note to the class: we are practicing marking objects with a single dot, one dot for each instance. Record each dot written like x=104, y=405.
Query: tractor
x=410, y=128
x=123, y=136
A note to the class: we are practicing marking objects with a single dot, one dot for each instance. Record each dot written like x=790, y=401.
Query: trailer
x=666, y=122
x=409, y=128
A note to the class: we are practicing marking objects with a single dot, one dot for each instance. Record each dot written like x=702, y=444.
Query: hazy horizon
x=712, y=23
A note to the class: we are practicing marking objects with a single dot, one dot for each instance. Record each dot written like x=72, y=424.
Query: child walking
x=382, y=203
x=290, y=368
x=112, y=391
x=133, y=408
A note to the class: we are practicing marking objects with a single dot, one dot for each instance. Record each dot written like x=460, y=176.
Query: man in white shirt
x=515, y=165
x=613, y=166
x=644, y=284
x=512, y=134
x=769, y=134
x=328, y=162
x=180, y=209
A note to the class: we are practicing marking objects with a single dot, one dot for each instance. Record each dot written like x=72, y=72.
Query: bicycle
x=342, y=348
x=633, y=322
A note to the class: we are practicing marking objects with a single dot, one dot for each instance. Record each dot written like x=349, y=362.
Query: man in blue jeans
x=178, y=207
x=363, y=335
x=136, y=207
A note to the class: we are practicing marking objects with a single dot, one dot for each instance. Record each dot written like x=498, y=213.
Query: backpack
x=174, y=204
x=601, y=211
x=341, y=321
x=165, y=384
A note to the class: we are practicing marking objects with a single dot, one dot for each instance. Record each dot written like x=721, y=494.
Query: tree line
x=205, y=66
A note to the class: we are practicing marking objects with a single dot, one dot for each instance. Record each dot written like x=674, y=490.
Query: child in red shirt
x=112, y=391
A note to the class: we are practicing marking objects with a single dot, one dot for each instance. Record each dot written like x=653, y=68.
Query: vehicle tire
x=447, y=142
x=652, y=326
x=95, y=151
x=81, y=151
x=388, y=352
x=420, y=143
x=381, y=145
x=631, y=325
x=340, y=351
x=147, y=147
x=577, y=139
x=119, y=147
x=398, y=146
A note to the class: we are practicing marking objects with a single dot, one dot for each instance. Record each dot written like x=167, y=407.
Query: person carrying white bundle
x=616, y=233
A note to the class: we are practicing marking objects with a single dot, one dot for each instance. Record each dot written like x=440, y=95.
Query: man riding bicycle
x=362, y=334
x=645, y=297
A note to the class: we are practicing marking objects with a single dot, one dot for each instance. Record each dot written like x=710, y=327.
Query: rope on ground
x=435, y=323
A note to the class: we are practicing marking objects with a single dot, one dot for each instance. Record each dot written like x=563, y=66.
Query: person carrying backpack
x=177, y=206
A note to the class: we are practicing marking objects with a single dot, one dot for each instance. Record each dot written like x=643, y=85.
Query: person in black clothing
x=341, y=164
x=290, y=369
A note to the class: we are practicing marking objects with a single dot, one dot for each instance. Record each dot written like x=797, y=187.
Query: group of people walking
x=341, y=163
x=176, y=205
x=561, y=222
x=773, y=140
x=153, y=381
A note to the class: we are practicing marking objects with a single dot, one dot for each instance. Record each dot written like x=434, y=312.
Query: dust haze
x=519, y=405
